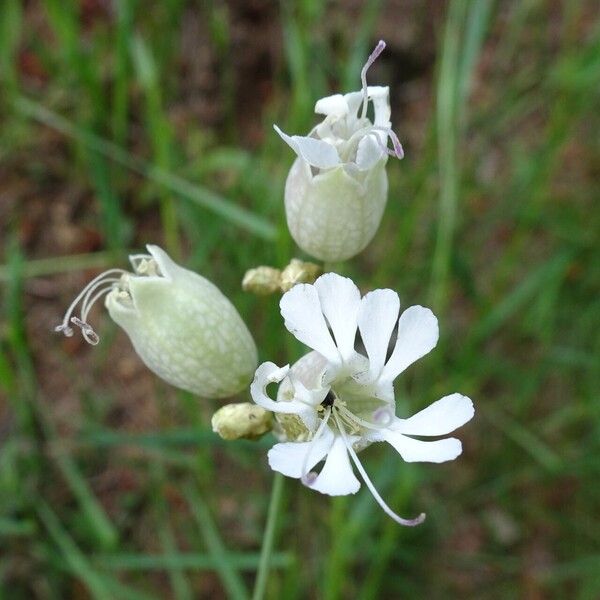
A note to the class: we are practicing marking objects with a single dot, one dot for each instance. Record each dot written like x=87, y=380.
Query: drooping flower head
x=339, y=398
x=180, y=324
x=336, y=190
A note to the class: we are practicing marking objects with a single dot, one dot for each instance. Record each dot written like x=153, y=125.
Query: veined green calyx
x=180, y=324
x=336, y=190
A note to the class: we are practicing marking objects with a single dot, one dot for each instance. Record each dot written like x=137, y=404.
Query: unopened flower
x=298, y=271
x=337, y=399
x=180, y=324
x=243, y=420
x=264, y=280
x=336, y=190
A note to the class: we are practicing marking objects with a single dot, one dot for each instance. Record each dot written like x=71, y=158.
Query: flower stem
x=262, y=574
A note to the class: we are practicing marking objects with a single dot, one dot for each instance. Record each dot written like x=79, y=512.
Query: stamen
x=87, y=303
x=89, y=291
x=406, y=522
x=308, y=478
x=398, y=151
x=89, y=335
x=363, y=75
x=358, y=421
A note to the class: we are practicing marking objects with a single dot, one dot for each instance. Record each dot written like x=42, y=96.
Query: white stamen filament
x=398, y=151
x=306, y=480
x=358, y=421
x=363, y=75
x=406, y=522
x=87, y=303
x=89, y=291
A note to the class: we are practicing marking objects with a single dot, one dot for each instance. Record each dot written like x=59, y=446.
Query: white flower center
x=345, y=423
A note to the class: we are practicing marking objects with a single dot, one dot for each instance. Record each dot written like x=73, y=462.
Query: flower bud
x=298, y=271
x=262, y=281
x=245, y=420
x=336, y=190
x=180, y=324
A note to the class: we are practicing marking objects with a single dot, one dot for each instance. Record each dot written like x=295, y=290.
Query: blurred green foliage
x=110, y=115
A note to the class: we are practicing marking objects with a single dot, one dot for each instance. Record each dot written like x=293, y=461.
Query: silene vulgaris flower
x=339, y=398
x=336, y=190
x=181, y=325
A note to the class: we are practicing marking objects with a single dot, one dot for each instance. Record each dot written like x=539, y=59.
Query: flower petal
x=370, y=151
x=301, y=309
x=418, y=333
x=337, y=477
x=332, y=105
x=376, y=321
x=288, y=457
x=380, y=96
x=411, y=450
x=340, y=302
x=268, y=373
x=354, y=101
x=315, y=152
x=309, y=370
x=440, y=418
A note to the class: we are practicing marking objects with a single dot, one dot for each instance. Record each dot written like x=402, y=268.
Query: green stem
x=267, y=546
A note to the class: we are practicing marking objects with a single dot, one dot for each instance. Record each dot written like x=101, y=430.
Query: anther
x=90, y=336
x=309, y=478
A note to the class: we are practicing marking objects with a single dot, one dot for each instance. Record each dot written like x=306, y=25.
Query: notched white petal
x=412, y=450
x=337, y=477
x=376, y=321
x=289, y=458
x=380, y=96
x=168, y=267
x=440, y=418
x=266, y=374
x=301, y=310
x=332, y=105
x=418, y=334
x=316, y=153
x=340, y=302
x=370, y=151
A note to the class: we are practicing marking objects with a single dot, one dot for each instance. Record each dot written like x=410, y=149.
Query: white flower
x=181, y=325
x=336, y=191
x=339, y=398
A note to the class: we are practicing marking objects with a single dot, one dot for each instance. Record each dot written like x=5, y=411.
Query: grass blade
x=230, y=578
x=201, y=196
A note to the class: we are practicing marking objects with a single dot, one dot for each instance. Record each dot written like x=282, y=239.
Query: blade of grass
x=262, y=575
x=361, y=38
x=191, y=561
x=59, y=264
x=335, y=573
x=527, y=289
x=201, y=196
x=160, y=135
x=11, y=19
x=459, y=56
x=232, y=582
x=98, y=523
x=179, y=583
x=541, y=452
x=72, y=555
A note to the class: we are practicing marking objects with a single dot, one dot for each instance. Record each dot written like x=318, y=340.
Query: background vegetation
x=126, y=122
